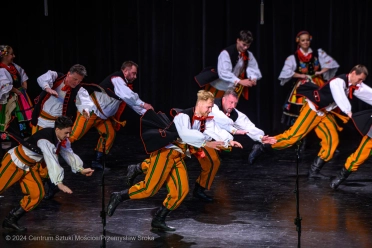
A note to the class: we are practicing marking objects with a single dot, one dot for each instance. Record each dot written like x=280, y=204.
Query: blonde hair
x=204, y=95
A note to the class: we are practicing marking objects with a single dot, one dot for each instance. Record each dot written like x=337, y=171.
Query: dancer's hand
x=64, y=188
x=268, y=140
x=17, y=91
x=86, y=114
x=235, y=144
x=52, y=92
x=214, y=144
x=240, y=132
x=87, y=172
x=147, y=106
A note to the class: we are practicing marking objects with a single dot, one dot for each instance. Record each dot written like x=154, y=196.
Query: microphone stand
x=103, y=211
x=297, y=220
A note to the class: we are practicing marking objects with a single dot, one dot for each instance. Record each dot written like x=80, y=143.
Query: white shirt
x=325, y=61
x=6, y=82
x=54, y=105
x=228, y=75
x=110, y=105
x=340, y=92
x=241, y=123
x=192, y=136
x=55, y=171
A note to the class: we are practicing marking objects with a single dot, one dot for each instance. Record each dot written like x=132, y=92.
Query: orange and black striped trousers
x=361, y=154
x=82, y=126
x=209, y=167
x=325, y=128
x=165, y=166
x=30, y=181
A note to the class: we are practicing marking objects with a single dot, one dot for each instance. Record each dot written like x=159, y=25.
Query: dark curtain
x=172, y=40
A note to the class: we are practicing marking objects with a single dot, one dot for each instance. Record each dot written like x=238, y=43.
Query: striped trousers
x=164, y=166
x=82, y=125
x=209, y=167
x=30, y=182
x=360, y=155
x=325, y=128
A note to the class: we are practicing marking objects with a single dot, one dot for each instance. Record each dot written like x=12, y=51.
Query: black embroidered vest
x=107, y=85
x=233, y=115
x=321, y=97
x=312, y=66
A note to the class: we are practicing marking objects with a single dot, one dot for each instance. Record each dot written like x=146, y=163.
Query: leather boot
x=52, y=190
x=340, y=178
x=158, y=222
x=199, y=193
x=10, y=221
x=314, y=171
x=97, y=163
x=257, y=150
x=115, y=199
x=134, y=170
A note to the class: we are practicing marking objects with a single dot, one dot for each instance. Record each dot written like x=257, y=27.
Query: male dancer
x=237, y=68
x=232, y=120
x=21, y=164
x=226, y=117
x=62, y=95
x=196, y=130
x=108, y=107
x=317, y=113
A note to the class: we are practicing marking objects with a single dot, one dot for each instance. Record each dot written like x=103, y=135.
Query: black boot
x=52, y=190
x=158, y=222
x=134, y=170
x=97, y=163
x=199, y=193
x=314, y=171
x=10, y=222
x=115, y=199
x=257, y=150
x=344, y=173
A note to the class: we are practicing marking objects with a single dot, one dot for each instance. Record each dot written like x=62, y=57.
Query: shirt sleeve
x=83, y=101
x=216, y=133
x=187, y=134
x=222, y=120
x=327, y=61
x=253, y=71
x=127, y=95
x=22, y=72
x=288, y=70
x=338, y=87
x=55, y=171
x=6, y=84
x=47, y=79
x=224, y=68
x=244, y=123
x=364, y=93
x=71, y=158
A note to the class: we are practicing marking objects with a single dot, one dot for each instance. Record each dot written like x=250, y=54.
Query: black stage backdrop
x=172, y=40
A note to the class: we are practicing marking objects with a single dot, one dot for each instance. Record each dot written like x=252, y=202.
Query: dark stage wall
x=172, y=40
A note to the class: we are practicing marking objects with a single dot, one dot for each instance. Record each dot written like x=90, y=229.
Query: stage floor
x=255, y=205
